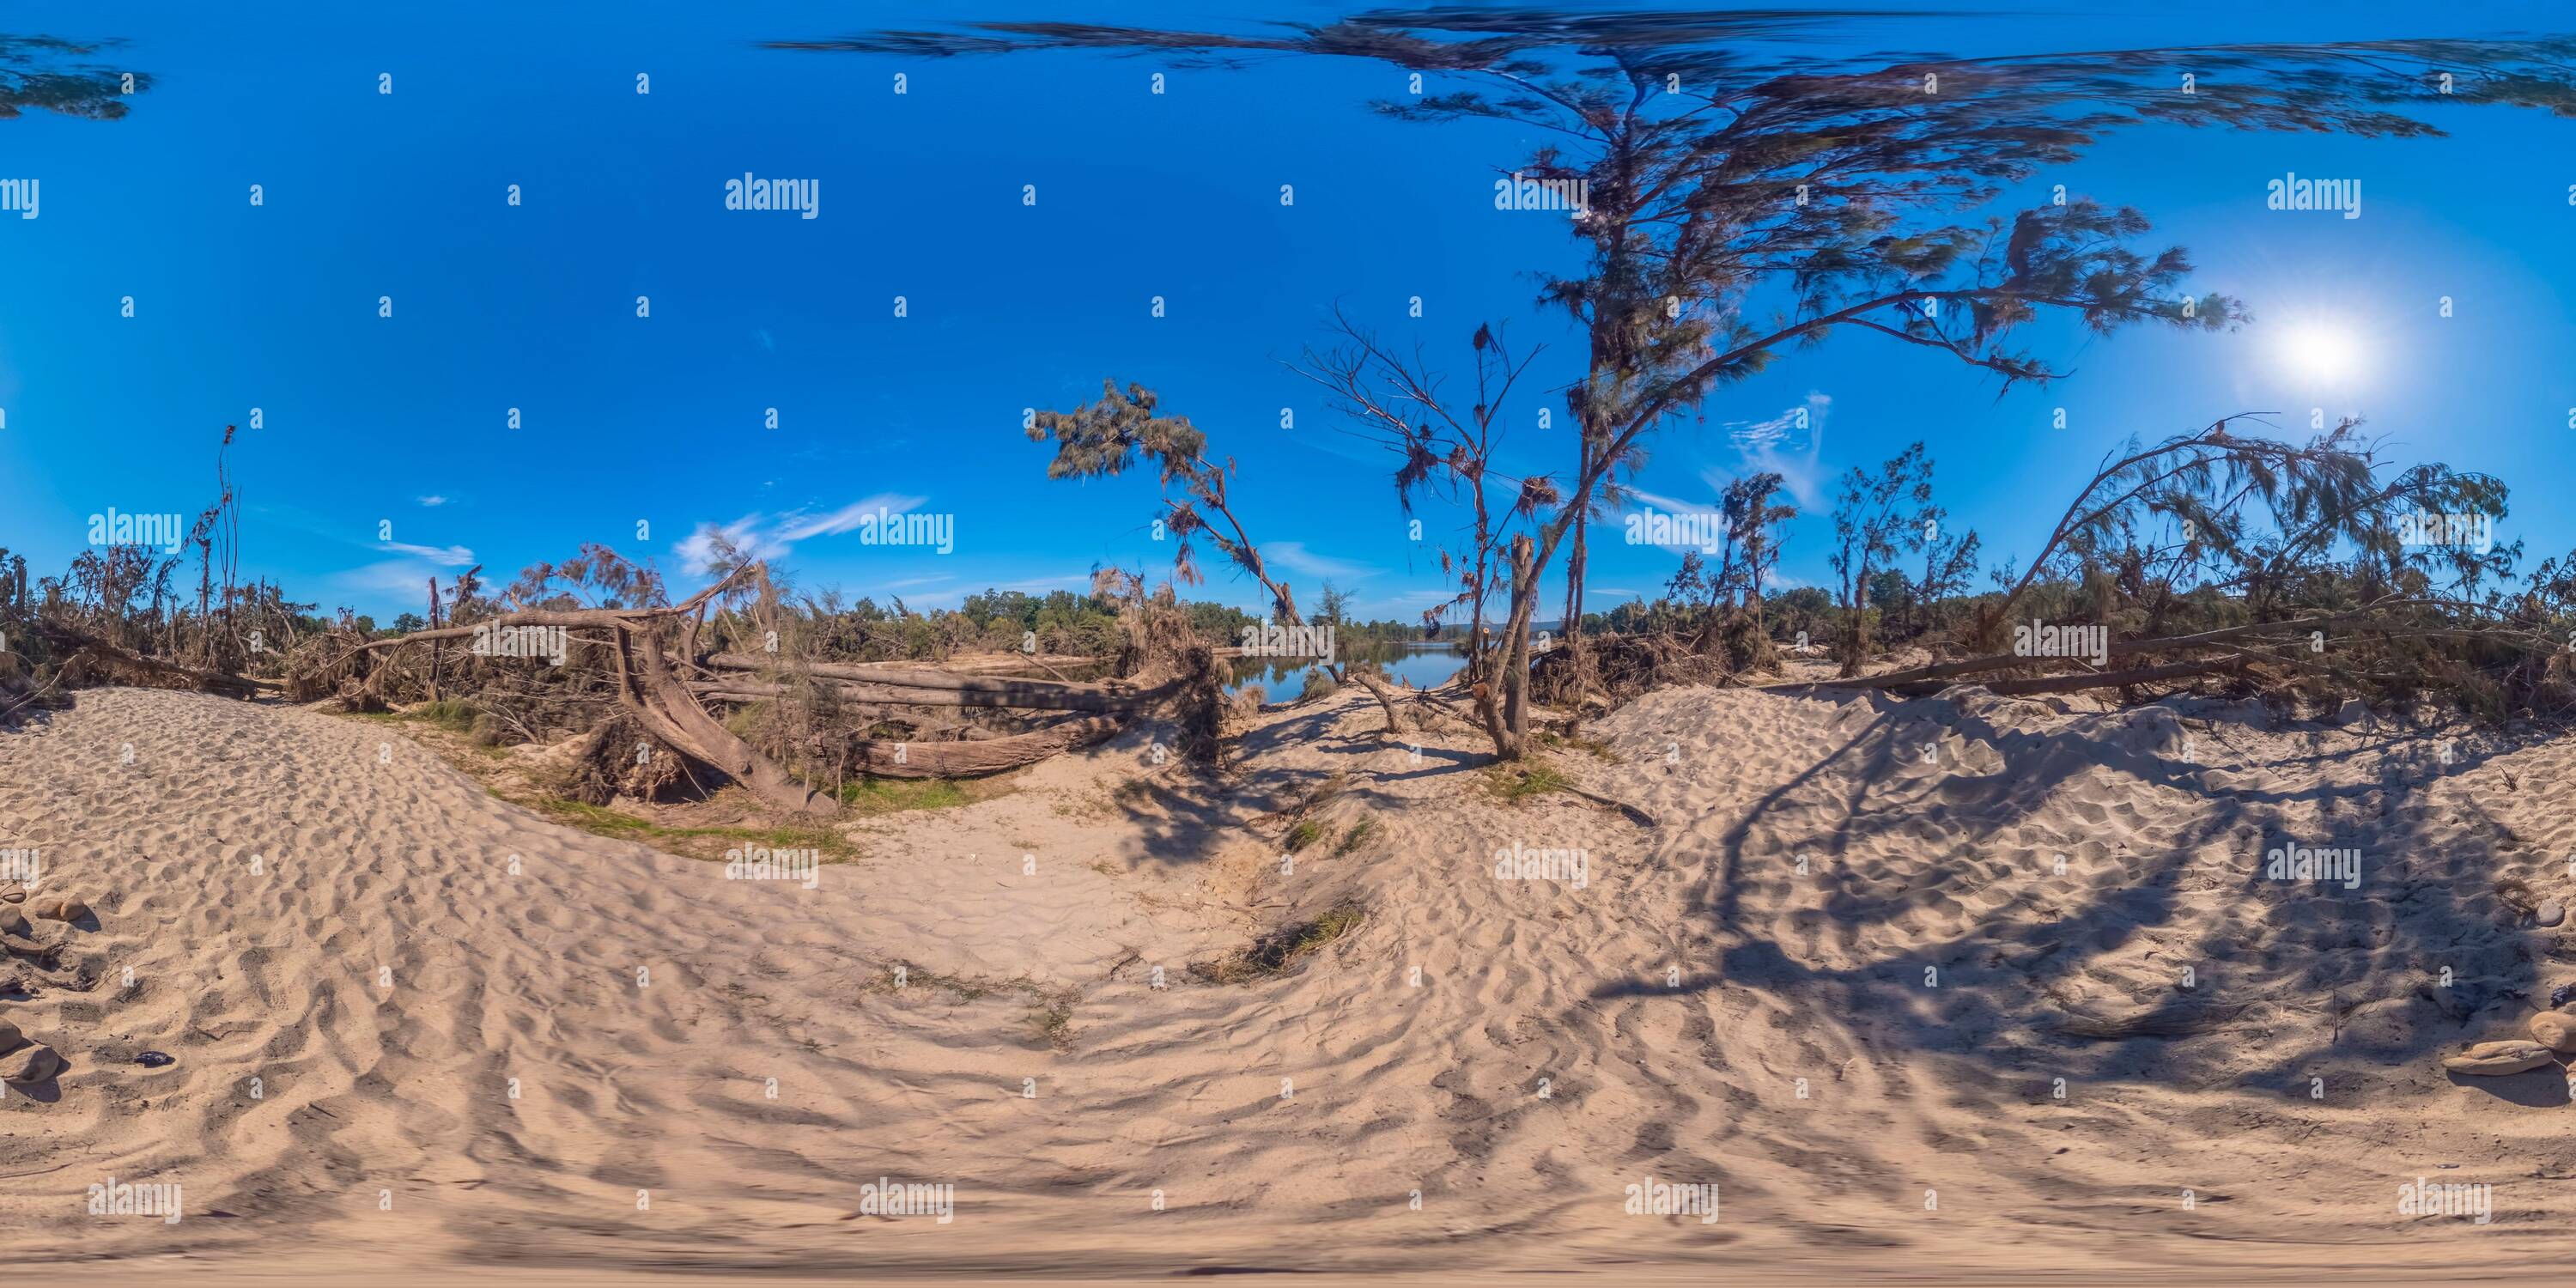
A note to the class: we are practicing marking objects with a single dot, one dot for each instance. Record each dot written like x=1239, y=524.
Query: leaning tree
x=1738, y=203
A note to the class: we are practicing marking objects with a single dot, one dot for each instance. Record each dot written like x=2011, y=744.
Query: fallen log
x=2117, y=648
x=88, y=652
x=942, y=689
x=2110, y=679
x=885, y=758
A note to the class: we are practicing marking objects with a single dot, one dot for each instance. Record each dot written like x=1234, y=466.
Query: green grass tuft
x=1359, y=833
x=1276, y=953
x=1517, y=783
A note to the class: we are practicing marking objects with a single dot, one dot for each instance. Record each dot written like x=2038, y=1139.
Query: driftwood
x=649, y=689
x=651, y=648
x=89, y=654
x=1926, y=676
x=920, y=688
x=885, y=758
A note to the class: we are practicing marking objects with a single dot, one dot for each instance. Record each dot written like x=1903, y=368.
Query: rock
x=60, y=907
x=2555, y=1030
x=10, y=1037
x=12, y=892
x=2353, y=711
x=154, y=1059
x=27, y=1068
x=13, y=922
x=2495, y=1059
x=2550, y=913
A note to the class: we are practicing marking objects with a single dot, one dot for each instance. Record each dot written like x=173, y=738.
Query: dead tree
x=649, y=687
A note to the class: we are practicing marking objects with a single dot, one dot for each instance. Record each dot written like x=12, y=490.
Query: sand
x=417, y=1028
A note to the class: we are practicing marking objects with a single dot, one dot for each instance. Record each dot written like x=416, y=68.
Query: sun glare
x=2317, y=351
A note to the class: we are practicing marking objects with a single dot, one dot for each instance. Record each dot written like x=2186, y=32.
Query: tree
x=1706, y=176
x=1750, y=517
x=1104, y=438
x=1870, y=520
x=1949, y=562
x=43, y=73
x=1443, y=451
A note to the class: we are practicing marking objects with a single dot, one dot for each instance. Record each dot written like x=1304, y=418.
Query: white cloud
x=1296, y=558
x=698, y=550
x=433, y=500
x=451, y=556
x=1782, y=446
x=798, y=526
x=402, y=580
x=763, y=536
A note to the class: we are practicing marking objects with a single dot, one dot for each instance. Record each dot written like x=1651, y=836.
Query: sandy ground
x=419, y=1030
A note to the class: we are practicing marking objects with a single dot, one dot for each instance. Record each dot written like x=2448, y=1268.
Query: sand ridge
x=1516, y=1051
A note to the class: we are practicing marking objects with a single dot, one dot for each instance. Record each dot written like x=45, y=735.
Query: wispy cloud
x=1296, y=558
x=401, y=580
x=767, y=536
x=451, y=556
x=433, y=500
x=798, y=526
x=1790, y=445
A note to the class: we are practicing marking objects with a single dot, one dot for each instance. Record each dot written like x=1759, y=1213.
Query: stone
x=27, y=1068
x=2353, y=711
x=13, y=922
x=12, y=892
x=60, y=907
x=2555, y=1030
x=2495, y=1059
x=10, y=1038
x=2550, y=913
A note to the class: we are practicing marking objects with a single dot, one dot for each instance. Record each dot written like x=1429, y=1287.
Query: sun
x=2320, y=352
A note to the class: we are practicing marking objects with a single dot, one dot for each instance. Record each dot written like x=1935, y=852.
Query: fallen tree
x=648, y=687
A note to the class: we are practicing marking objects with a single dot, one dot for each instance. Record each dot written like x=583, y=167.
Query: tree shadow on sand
x=2014, y=980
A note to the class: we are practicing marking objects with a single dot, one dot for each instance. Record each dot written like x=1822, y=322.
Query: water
x=1422, y=664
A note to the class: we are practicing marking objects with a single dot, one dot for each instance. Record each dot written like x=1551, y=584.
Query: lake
x=1422, y=663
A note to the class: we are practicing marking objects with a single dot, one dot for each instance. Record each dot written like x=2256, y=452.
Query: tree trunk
x=1504, y=699
x=1856, y=641
x=885, y=758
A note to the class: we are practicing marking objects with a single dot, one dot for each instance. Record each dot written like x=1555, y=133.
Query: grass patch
x=456, y=715
x=1050, y=1011
x=1359, y=834
x=689, y=842
x=1517, y=783
x=1274, y=954
x=1304, y=834
x=1598, y=749
x=870, y=797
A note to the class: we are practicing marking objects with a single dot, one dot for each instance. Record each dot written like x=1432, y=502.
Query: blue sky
x=371, y=420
